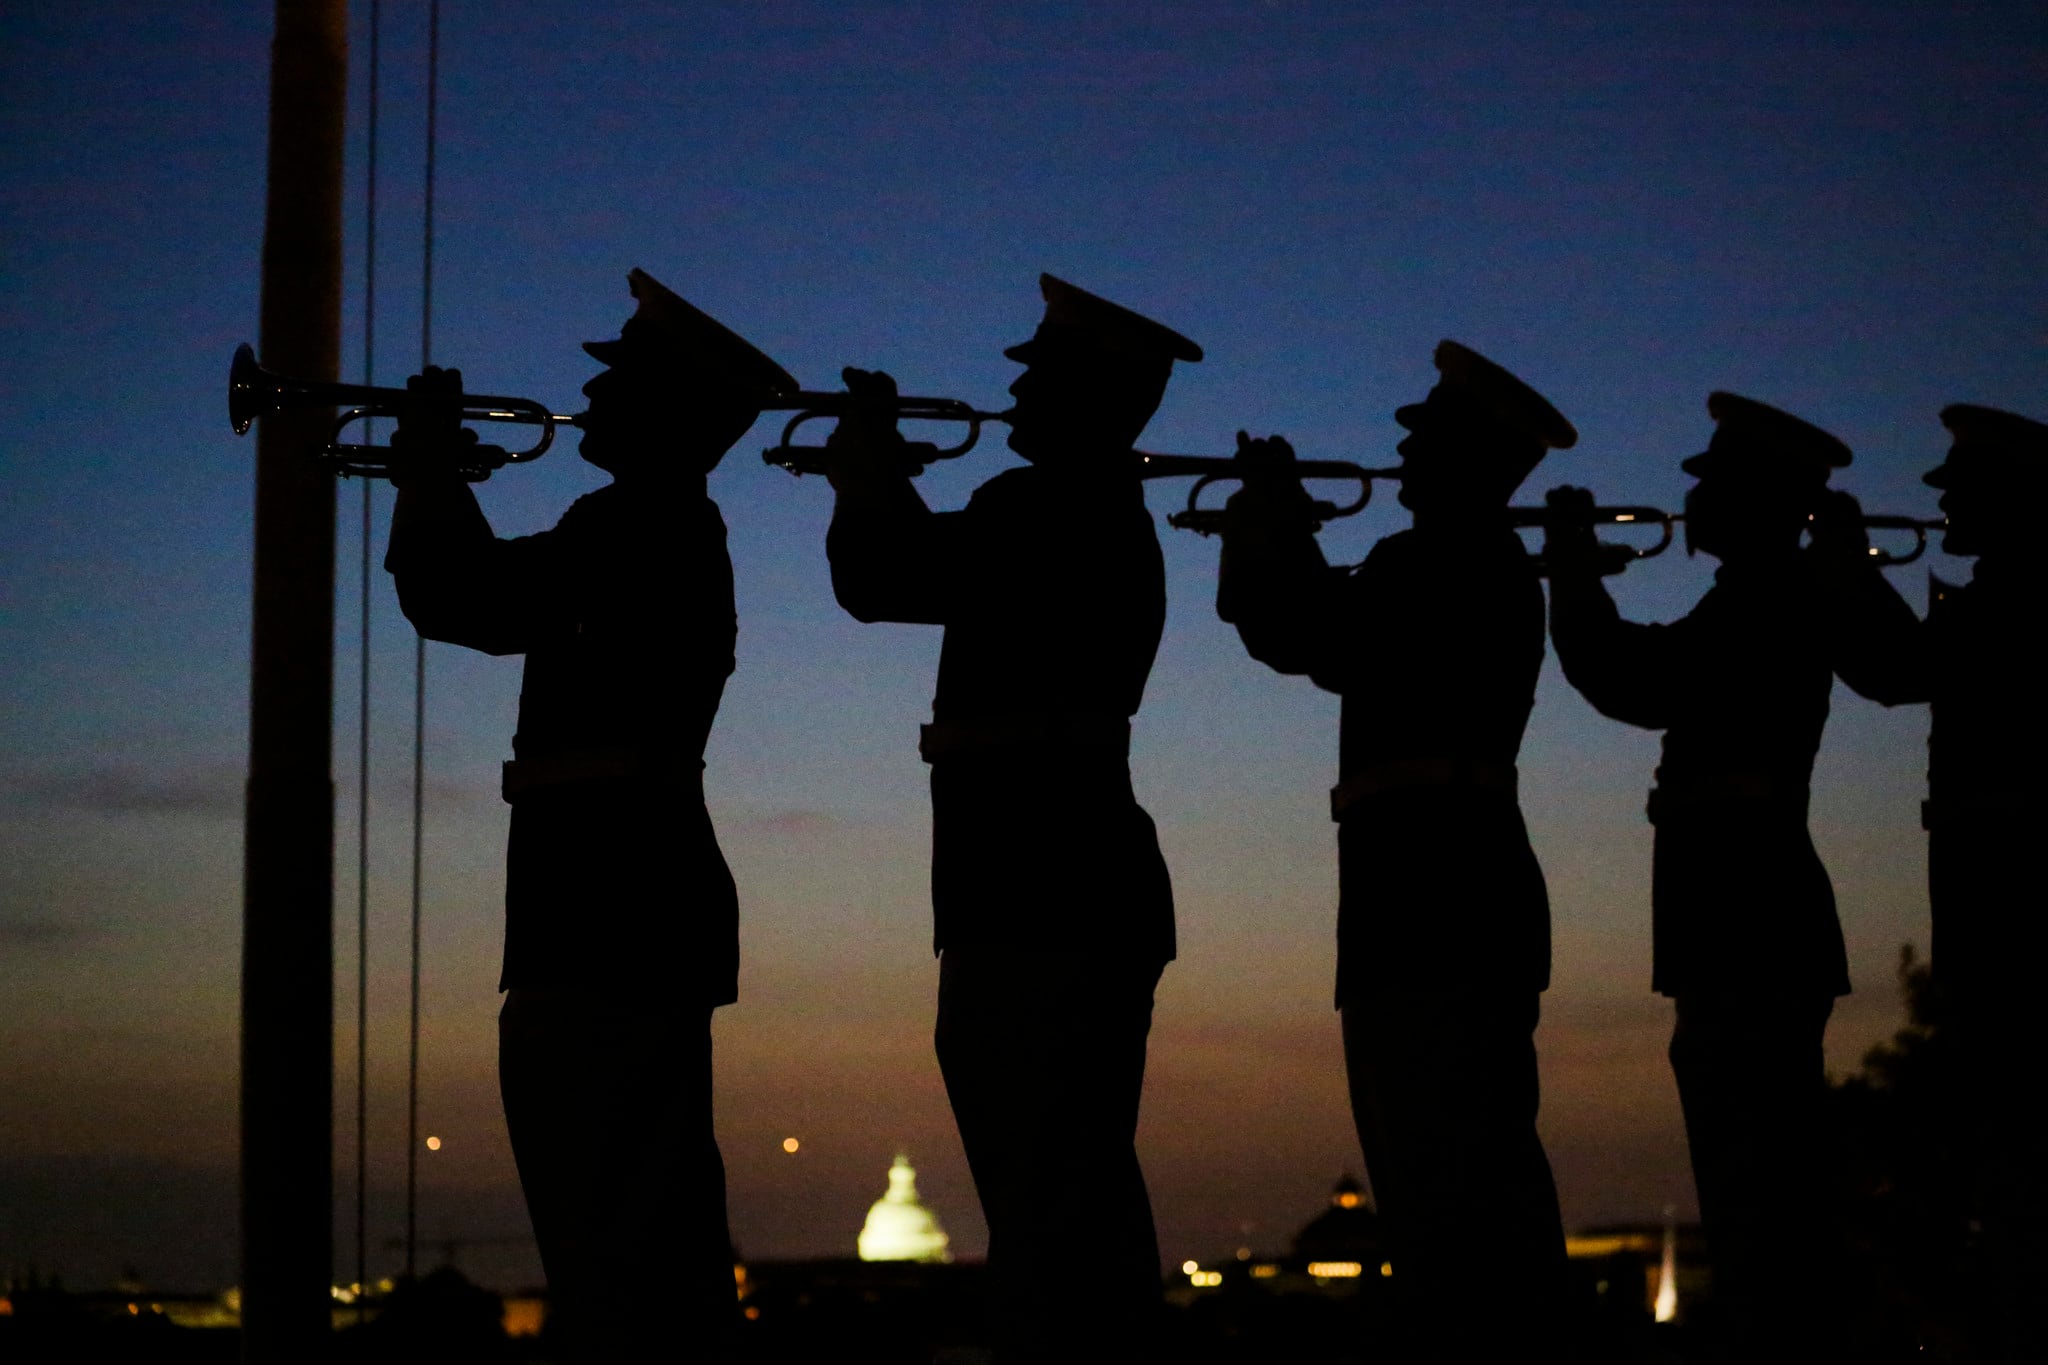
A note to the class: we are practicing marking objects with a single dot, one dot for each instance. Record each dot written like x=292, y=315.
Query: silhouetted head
x=1094, y=373
x=1992, y=481
x=1760, y=478
x=1476, y=436
x=679, y=389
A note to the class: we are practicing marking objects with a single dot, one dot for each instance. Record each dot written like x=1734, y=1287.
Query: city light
x=1336, y=1270
x=433, y=1144
x=1189, y=1267
x=790, y=1144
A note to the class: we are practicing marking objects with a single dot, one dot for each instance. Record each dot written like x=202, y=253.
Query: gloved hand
x=430, y=441
x=866, y=444
x=1271, y=495
x=1569, y=545
x=1837, y=532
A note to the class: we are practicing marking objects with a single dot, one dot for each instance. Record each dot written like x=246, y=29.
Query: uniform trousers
x=1988, y=949
x=1444, y=1092
x=1752, y=1082
x=1043, y=1055
x=608, y=1103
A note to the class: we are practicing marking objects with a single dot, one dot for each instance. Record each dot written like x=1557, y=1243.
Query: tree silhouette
x=1902, y=1176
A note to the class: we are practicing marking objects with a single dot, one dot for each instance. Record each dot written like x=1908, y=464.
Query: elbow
x=856, y=602
x=1275, y=650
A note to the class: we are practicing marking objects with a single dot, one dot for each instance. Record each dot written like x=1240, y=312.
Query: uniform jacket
x=1052, y=592
x=1987, y=750
x=1434, y=642
x=624, y=611
x=1740, y=686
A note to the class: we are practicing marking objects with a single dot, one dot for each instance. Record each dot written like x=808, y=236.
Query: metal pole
x=287, y=1070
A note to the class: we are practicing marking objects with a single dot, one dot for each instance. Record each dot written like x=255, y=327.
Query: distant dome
x=898, y=1227
x=1348, y=1230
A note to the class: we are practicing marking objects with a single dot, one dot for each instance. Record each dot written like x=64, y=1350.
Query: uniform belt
x=1723, y=794
x=1408, y=774
x=1054, y=736
x=524, y=775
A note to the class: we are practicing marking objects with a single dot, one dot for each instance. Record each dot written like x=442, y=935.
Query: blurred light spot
x=790, y=1144
x=1189, y=1267
x=433, y=1144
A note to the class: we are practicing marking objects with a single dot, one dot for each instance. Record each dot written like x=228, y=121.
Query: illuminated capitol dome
x=898, y=1227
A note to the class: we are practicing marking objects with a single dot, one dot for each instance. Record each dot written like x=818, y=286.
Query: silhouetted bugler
x=1977, y=659
x=1745, y=934
x=1053, y=915
x=621, y=917
x=1434, y=642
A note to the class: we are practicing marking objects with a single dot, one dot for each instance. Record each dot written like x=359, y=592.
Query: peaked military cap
x=1987, y=441
x=1471, y=385
x=1753, y=437
x=1074, y=317
x=665, y=328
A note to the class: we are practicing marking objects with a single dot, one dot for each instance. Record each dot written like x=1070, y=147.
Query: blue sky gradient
x=1835, y=208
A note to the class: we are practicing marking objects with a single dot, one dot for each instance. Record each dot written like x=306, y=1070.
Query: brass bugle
x=1527, y=518
x=1921, y=527
x=1667, y=523
x=813, y=407
x=1208, y=469
x=255, y=392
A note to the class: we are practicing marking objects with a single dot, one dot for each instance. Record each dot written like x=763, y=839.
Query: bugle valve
x=1210, y=469
x=255, y=392
x=813, y=407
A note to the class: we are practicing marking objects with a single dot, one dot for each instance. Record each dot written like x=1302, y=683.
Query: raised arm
x=1274, y=584
x=1878, y=646
x=1625, y=671
x=892, y=557
x=456, y=580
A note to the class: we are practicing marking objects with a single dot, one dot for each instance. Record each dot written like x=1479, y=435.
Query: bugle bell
x=1209, y=469
x=255, y=392
x=813, y=407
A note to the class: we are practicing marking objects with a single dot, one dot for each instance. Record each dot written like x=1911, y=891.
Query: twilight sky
x=1836, y=208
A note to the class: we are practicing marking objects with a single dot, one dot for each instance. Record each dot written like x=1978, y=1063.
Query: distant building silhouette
x=1347, y=1232
x=898, y=1227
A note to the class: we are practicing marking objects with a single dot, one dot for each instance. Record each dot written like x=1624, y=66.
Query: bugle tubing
x=255, y=392
x=1209, y=469
x=1532, y=518
x=813, y=407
